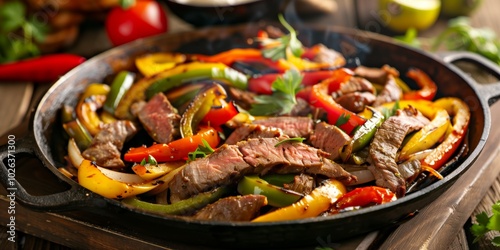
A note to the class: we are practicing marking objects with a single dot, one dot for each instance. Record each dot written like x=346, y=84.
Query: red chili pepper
x=176, y=150
x=263, y=84
x=461, y=117
x=220, y=115
x=364, y=196
x=428, y=87
x=46, y=68
x=336, y=114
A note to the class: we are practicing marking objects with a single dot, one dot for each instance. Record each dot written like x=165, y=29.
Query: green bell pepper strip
x=121, y=83
x=211, y=71
x=363, y=135
x=276, y=196
x=279, y=179
x=199, y=107
x=76, y=131
x=182, y=207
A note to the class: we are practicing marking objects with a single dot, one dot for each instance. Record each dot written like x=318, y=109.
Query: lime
x=400, y=15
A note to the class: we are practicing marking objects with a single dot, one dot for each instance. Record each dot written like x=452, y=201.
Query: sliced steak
x=329, y=138
x=302, y=183
x=327, y=55
x=356, y=101
x=385, y=145
x=376, y=75
x=106, y=146
x=391, y=92
x=355, y=84
x=292, y=126
x=253, y=131
x=255, y=156
x=242, y=98
x=160, y=119
x=233, y=208
x=220, y=168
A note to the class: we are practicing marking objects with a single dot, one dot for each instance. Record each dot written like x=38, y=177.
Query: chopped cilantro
x=276, y=48
x=201, y=152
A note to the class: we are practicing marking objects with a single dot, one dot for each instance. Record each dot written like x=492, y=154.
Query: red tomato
x=145, y=18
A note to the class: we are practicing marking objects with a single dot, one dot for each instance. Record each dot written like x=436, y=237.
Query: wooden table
x=473, y=193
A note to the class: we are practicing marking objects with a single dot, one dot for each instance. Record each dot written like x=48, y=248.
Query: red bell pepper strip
x=364, y=196
x=228, y=57
x=263, y=84
x=461, y=117
x=336, y=114
x=176, y=150
x=220, y=114
x=44, y=69
x=428, y=87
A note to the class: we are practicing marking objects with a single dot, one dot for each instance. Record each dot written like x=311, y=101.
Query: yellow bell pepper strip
x=182, y=207
x=175, y=150
x=175, y=77
x=154, y=63
x=276, y=196
x=428, y=136
x=312, y=205
x=121, y=83
x=181, y=96
x=336, y=114
x=86, y=112
x=428, y=86
x=362, y=197
x=363, y=135
x=91, y=178
x=95, y=89
x=199, y=107
x=165, y=181
x=152, y=171
x=197, y=71
x=461, y=118
x=302, y=64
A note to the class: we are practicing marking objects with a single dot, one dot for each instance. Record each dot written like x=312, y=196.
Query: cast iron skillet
x=47, y=143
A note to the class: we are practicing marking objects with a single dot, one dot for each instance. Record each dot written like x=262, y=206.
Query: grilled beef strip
x=327, y=55
x=376, y=75
x=354, y=84
x=385, y=145
x=106, y=146
x=391, y=92
x=160, y=119
x=233, y=208
x=329, y=138
x=255, y=156
x=242, y=98
x=356, y=101
x=302, y=183
x=296, y=126
x=246, y=131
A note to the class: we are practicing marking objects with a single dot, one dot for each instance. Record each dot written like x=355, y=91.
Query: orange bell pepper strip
x=461, y=118
x=175, y=150
x=428, y=86
x=228, y=57
x=336, y=114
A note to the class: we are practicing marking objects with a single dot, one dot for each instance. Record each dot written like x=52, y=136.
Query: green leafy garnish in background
x=19, y=33
x=275, y=49
x=282, y=100
x=460, y=35
x=486, y=224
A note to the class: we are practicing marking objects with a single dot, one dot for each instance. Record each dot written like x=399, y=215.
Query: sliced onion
x=363, y=176
x=120, y=176
x=165, y=180
x=74, y=153
x=152, y=171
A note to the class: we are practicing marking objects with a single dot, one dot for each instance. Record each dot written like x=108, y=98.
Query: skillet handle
x=489, y=91
x=73, y=198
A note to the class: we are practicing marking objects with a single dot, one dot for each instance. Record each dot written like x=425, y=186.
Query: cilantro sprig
x=19, y=32
x=201, y=152
x=275, y=49
x=282, y=100
x=486, y=224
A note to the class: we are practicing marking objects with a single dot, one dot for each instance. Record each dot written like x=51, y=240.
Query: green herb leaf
x=152, y=160
x=283, y=98
x=201, y=152
x=275, y=49
x=290, y=140
x=485, y=224
x=12, y=16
